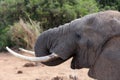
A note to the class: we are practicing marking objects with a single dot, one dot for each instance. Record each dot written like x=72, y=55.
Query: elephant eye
x=78, y=36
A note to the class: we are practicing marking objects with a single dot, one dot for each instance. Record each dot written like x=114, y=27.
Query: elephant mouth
x=54, y=62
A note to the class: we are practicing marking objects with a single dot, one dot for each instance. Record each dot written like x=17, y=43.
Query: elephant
x=92, y=41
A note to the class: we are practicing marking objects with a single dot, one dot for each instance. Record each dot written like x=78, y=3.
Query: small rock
x=29, y=65
x=19, y=72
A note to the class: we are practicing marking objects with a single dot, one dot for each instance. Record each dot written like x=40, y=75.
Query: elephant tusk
x=35, y=59
x=27, y=51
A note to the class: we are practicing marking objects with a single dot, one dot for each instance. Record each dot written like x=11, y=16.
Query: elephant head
x=52, y=46
x=83, y=39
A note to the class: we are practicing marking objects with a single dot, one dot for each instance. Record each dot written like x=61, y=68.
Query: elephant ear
x=90, y=39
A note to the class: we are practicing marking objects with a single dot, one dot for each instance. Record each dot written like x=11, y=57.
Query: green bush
x=10, y=11
x=56, y=12
x=109, y=4
x=50, y=13
x=4, y=38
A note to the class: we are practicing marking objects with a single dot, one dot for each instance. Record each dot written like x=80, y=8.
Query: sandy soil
x=12, y=68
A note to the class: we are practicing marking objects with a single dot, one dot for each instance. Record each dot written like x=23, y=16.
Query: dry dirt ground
x=12, y=68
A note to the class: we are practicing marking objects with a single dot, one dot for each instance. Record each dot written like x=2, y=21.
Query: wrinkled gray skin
x=93, y=41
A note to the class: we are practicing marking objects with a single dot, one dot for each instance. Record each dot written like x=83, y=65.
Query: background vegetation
x=21, y=21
